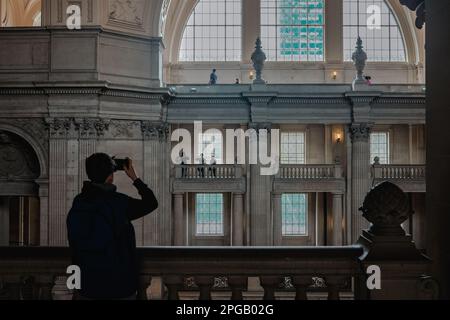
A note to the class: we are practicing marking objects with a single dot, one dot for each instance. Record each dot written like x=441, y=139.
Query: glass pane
x=216, y=36
x=375, y=23
x=294, y=214
x=209, y=214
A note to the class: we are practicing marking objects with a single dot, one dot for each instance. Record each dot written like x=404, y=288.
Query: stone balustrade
x=401, y=172
x=410, y=178
x=310, y=172
x=30, y=273
x=199, y=171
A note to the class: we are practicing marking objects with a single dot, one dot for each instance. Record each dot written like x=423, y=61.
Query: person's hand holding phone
x=129, y=170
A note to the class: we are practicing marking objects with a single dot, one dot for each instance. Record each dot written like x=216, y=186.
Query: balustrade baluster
x=270, y=284
x=301, y=284
x=204, y=283
x=334, y=285
x=144, y=283
x=237, y=285
x=173, y=284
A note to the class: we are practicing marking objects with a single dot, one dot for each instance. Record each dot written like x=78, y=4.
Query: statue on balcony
x=258, y=58
x=359, y=58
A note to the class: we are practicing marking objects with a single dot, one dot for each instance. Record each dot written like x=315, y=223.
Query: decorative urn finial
x=387, y=207
x=359, y=58
x=258, y=58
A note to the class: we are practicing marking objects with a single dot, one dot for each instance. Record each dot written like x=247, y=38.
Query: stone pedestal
x=404, y=270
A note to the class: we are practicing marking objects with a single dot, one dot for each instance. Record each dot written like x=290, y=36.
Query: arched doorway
x=19, y=197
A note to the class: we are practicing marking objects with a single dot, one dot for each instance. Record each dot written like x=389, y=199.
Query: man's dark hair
x=99, y=167
x=214, y=70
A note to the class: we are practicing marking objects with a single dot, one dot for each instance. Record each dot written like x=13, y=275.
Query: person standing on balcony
x=213, y=169
x=101, y=235
x=213, y=77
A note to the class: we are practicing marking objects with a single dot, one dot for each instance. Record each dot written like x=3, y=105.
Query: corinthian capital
x=154, y=130
x=360, y=131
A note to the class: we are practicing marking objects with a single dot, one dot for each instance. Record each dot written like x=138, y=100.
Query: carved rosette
x=360, y=132
x=387, y=207
x=154, y=130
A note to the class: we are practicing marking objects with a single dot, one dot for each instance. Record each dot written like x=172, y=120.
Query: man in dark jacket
x=100, y=232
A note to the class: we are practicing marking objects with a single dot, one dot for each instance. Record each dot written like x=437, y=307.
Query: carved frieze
x=154, y=130
x=127, y=11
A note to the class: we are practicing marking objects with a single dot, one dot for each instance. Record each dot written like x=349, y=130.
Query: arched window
x=375, y=22
x=293, y=30
x=213, y=32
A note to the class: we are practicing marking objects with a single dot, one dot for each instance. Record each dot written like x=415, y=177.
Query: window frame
x=196, y=214
x=225, y=26
x=388, y=147
x=277, y=36
x=366, y=39
x=306, y=234
x=282, y=162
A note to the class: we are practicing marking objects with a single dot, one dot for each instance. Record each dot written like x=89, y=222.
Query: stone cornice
x=159, y=95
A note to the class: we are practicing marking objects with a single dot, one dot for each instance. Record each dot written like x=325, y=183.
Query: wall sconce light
x=251, y=75
x=334, y=77
x=338, y=138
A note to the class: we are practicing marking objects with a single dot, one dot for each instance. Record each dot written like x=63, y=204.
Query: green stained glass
x=294, y=214
x=209, y=214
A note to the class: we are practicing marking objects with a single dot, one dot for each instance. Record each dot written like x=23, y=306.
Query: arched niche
x=20, y=207
x=19, y=166
x=20, y=13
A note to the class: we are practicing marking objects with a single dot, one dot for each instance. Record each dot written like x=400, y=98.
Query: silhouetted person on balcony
x=201, y=168
x=213, y=169
x=213, y=77
x=101, y=236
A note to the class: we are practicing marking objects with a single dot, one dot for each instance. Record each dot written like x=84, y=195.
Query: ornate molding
x=360, y=132
x=59, y=127
x=154, y=130
x=309, y=100
x=91, y=127
x=158, y=96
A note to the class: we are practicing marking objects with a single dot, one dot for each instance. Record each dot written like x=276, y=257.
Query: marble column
x=360, y=135
x=4, y=221
x=155, y=164
x=277, y=220
x=59, y=132
x=238, y=220
x=178, y=219
x=337, y=219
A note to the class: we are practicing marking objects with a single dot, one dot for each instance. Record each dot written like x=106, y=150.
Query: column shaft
x=360, y=176
x=277, y=221
x=238, y=220
x=178, y=219
x=337, y=219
